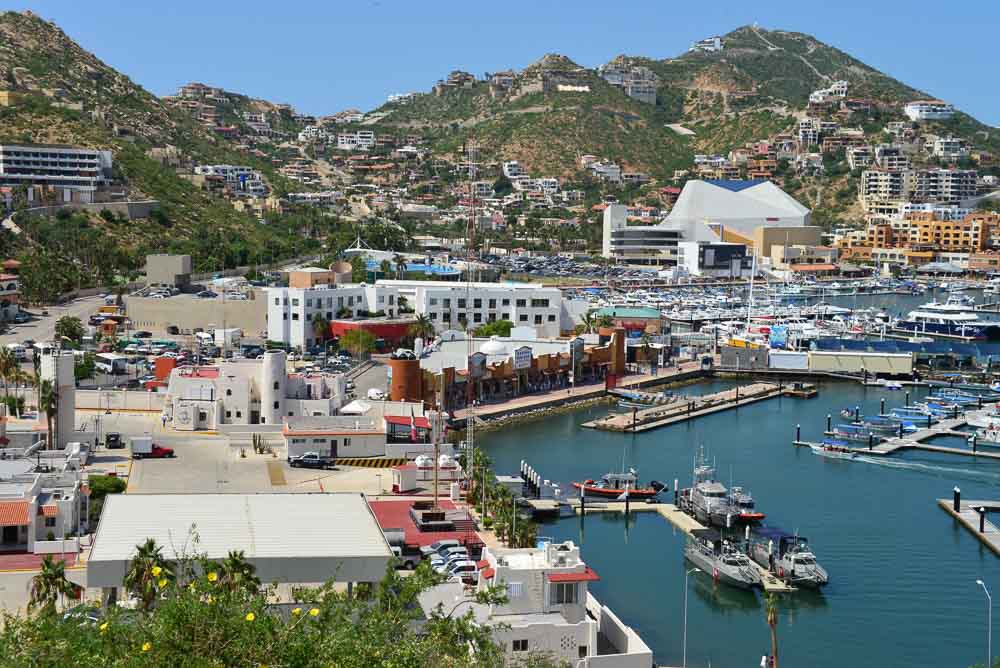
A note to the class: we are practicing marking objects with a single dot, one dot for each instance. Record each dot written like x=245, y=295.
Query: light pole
x=686, y=574
x=989, y=623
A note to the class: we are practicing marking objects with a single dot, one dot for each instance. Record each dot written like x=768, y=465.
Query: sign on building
x=477, y=365
x=522, y=357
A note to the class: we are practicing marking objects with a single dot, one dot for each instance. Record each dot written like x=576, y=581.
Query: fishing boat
x=743, y=504
x=615, y=485
x=707, y=550
x=788, y=556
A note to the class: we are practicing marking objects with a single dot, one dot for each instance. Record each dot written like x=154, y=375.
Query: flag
x=413, y=426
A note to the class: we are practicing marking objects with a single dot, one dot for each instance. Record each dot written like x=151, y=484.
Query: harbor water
x=903, y=574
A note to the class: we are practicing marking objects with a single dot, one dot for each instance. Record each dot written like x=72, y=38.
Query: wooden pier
x=681, y=408
x=915, y=441
x=968, y=516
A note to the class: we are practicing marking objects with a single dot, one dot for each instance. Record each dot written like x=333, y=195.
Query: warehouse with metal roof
x=289, y=538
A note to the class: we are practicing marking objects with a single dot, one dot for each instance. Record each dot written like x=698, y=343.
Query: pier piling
x=957, y=499
x=871, y=440
x=982, y=519
x=798, y=432
x=974, y=439
x=882, y=406
x=907, y=398
x=829, y=422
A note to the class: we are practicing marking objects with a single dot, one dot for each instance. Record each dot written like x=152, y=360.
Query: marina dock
x=915, y=441
x=668, y=511
x=968, y=516
x=681, y=408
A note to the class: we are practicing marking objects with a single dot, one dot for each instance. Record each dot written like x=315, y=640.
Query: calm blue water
x=902, y=590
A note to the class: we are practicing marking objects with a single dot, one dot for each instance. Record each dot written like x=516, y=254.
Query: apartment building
x=860, y=157
x=73, y=173
x=447, y=303
x=891, y=157
x=944, y=186
x=549, y=609
x=838, y=89
x=882, y=185
x=606, y=171
x=708, y=45
x=362, y=140
x=512, y=169
x=239, y=178
x=928, y=110
x=949, y=149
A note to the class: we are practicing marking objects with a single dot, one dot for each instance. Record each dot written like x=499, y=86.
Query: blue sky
x=326, y=56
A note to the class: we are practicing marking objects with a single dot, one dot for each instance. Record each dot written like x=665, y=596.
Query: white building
x=362, y=140
x=512, y=169
x=290, y=311
x=838, y=89
x=949, y=148
x=248, y=392
x=714, y=259
x=928, y=110
x=708, y=45
x=549, y=609
x=239, y=178
x=73, y=172
x=448, y=303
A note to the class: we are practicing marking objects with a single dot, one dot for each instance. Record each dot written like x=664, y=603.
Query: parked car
x=463, y=569
x=312, y=460
x=113, y=441
x=142, y=334
x=432, y=549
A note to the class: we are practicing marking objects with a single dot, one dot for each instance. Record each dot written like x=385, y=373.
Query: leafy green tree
x=495, y=328
x=359, y=269
x=49, y=586
x=8, y=368
x=320, y=328
x=84, y=367
x=422, y=328
x=100, y=487
x=357, y=341
x=385, y=268
x=70, y=327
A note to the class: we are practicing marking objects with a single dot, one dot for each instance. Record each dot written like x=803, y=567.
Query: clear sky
x=326, y=56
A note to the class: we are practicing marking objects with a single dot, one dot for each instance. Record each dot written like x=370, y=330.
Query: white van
x=376, y=394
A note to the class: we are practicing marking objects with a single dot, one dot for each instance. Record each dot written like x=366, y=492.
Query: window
x=477, y=317
x=539, y=303
x=350, y=301
x=433, y=316
x=515, y=590
x=505, y=302
x=583, y=651
x=329, y=302
x=329, y=315
x=295, y=302
x=521, y=303
x=493, y=303
x=347, y=442
x=229, y=414
x=523, y=317
x=538, y=319
x=505, y=316
x=340, y=302
x=561, y=593
x=284, y=316
x=392, y=299
x=447, y=303
x=433, y=301
x=295, y=316
x=461, y=303
x=477, y=303
x=381, y=299
x=239, y=414
x=446, y=317
x=275, y=405
x=229, y=392
x=309, y=303
x=277, y=302
x=320, y=441
x=552, y=318
x=50, y=521
x=519, y=645
x=277, y=385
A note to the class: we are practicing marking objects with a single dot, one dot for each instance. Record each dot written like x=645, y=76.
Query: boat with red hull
x=613, y=485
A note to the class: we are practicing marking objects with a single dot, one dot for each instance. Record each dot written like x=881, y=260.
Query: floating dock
x=915, y=441
x=968, y=516
x=681, y=408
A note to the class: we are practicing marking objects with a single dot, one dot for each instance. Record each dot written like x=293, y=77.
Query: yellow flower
x=146, y=646
x=250, y=617
x=191, y=587
x=297, y=611
x=314, y=612
x=213, y=576
x=162, y=583
x=156, y=571
x=103, y=627
x=211, y=599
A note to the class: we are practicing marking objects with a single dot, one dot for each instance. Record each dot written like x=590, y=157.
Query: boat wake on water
x=930, y=469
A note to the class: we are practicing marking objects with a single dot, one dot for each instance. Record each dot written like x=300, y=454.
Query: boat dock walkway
x=915, y=441
x=672, y=514
x=682, y=408
x=968, y=516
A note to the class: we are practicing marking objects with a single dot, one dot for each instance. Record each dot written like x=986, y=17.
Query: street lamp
x=686, y=574
x=989, y=623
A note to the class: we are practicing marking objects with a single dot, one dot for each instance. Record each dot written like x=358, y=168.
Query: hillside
x=758, y=86
x=70, y=96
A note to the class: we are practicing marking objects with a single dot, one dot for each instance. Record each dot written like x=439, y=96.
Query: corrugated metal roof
x=264, y=526
x=14, y=513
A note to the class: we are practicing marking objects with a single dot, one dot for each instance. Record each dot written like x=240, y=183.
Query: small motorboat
x=893, y=385
x=834, y=449
x=615, y=485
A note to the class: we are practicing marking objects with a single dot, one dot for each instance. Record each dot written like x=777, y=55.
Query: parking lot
x=43, y=327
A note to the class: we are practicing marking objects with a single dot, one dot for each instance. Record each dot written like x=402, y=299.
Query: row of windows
x=478, y=317
x=321, y=441
x=329, y=315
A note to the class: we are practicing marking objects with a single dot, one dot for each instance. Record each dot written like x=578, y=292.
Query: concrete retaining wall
x=56, y=546
x=136, y=400
x=132, y=210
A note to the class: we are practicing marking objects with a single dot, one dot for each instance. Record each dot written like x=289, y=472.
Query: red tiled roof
x=482, y=564
x=586, y=575
x=50, y=510
x=420, y=422
x=14, y=513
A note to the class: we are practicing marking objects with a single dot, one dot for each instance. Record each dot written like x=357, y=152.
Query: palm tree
x=236, y=573
x=400, y=265
x=321, y=328
x=145, y=571
x=605, y=321
x=49, y=585
x=771, y=614
x=8, y=367
x=423, y=328
x=589, y=321
x=48, y=402
x=385, y=268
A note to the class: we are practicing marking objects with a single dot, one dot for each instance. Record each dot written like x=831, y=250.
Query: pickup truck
x=113, y=441
x=143, y=447
x=312, y=460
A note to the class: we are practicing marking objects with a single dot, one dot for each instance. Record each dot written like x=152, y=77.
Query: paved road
x=43, y=328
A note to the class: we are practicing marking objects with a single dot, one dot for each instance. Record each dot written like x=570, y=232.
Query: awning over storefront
x=14, y=514
x=813, y=267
